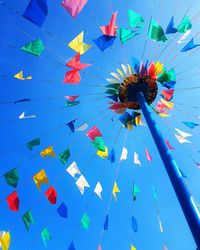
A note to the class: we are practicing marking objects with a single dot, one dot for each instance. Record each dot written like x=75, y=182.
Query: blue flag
x=170, y=28
x=111, y=156
x=136, y=65
x=104, y=42
x=62, y=210
x=71, y=246
x=113, y=97
x=190, y=46
x=22, y=100
x=134, y=224
x=169, y=85
x=105, y=226
x=71, y=125
x=191, y=124
x=36, y=11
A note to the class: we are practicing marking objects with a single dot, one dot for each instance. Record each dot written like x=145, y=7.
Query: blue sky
x=52, y=117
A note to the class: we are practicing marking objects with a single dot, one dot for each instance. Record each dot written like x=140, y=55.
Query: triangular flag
x=182, y=133
x=168, y=145
x=47, y=152
x=190, y=46
x=98, y=189
x=93, y=132
x=62, y=210
x=135, y=20
x=170, y=28
x=85, y=221
x=64, y=156
x=73, y=169
x=99, y=143
x=22, y=116
x=111, y=156
x=184, y=25
x=124, y=154
x=75, y=63
x=35, y=47
x=134, y=224
x=115, y=190
x=126, y=34
x=103, y=154
x=71, y=246
x=104, y=42
x=82, y=127
x=74, y=7
x=184, y=36
x=12, y=177
x=81, y=183
x=71, y=125
x=148, y=156
x=181, y=139
x=33, y=143
x=5, y=241
x=71, y=98
x=156, y=32
x=191, y=124
x=46, y=236
x=13, y=201
x=133, y=248
x=40, y=178
x=72, y=77
x=20, y=76
x=105, y=226
x=168, y=94
x=136, y=190
x=27, y=219
x=136, y=159
x=111, y=28
x=51, y=195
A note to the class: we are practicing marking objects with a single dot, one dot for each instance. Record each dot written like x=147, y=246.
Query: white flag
x=98, y=189
x=181, y=139
x=82, y=127
x=136, y=159
x=184, y=36
x=124, y=154
x=22, y=116
x=81, y=183
x=116, y=76
x=182, y=133
x=73, y=170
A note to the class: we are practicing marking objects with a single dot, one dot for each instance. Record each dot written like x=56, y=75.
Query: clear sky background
x=48, y=72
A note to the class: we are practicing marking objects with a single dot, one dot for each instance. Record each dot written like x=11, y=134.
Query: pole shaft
x=185, y=198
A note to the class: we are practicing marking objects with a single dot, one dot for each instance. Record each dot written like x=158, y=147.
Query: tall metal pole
x=185, y=198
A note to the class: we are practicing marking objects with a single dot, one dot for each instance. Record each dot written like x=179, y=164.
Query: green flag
x=113, y=85
x=156, y=32
x=167, y=76
x=46, y=236
x=35, y=47
x=27, y=219
x=34, y=142
x=12, y=177
x=126, y=34
x=172, y=75
x=184, y=25
x=136, y=190
x=99, y=143
x=85, y=221
x=64, y=156
x=135, y=19
x=71, y=103
x=112, y=92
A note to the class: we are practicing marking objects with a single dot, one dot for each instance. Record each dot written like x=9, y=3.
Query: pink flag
x=93, y=132
x=149, y=158
x=74, y=7
x=76, y=64
x=168, y=94
x=168, y=145
x=71, y=98
x=99, y=247
x=72, y=77
x=111, y=28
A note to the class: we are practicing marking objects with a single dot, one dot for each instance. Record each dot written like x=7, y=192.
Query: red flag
x=111, y=28
x=75, y=63
x=152, y=71
x=71, y=98
x=72, y=77
x=93, y=132
x=168, y=145
x=168, y=94
x=13, y=201
x=51, y=195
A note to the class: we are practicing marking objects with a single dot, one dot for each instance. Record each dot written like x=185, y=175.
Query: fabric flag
x=99, y=143
x=40, y=178
x=46, y=236
x=184, y=25
x=191, y=124
x=51, y=195
x=181, y=139
x=133, y=248
x=168, y=105
x=22, y=100
x=35, y=47
x=28, y=219
x=71, y=98
x=168, y=94
x=82, y=127
x=21, y=77
x=99, y=247
x=64, y=156
x=85, y=221
x=115, y=190
x=104, y=42
x=165, y=248
x=13, y=201
x=136, y=190
x=182, y=133
x=184, y=36
x=71, y=125
x=12, y=177
x=70, y=104
x=169, y=85
x=126, y=34
x=33, y=143
x=160, y=224
x=151, y=71
x=111, y=28
x=72, y=77
x=47, y=152
x=71, y=246
x=73, y=169
x=93, y=132
x=136, y=159
x=111, y=156
x=78, y=45
x=115, y=75
x=22, y=116
x=113, y=97
x=156, y=32
x=62, y=210
x=113, y=85
x=168, y=145
x=98, y=189
x=75, y=63
x=105, y=226
x=112, y=80
x=135, y=19
x=74, y=7
x=134, y=224
x=81, y=183
x=125, y=119
x=148, y=156
x=170, y=28
x=124, y=154
x=190, y=45
x=103, y=154
x=36, y=11
x=136, y=64
x=158, y=68
x=5, y=241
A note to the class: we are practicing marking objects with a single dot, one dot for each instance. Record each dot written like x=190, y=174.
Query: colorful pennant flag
x=5, y=240
x=46, y=236
x=72, y=77
x=64, y=156
x=98, y=189
x=170, y=27
x=75, y=63
x=85, y=221
x=47, y=152
x=115, y=190
x=105, y=226
x=190, y=46
x=93, y=132
x=33, y=143
x=111, y=156
x=28, y=219
x=111, y=28
x=21, y=77
x=51, y=195
x=135, y=20
x=156, y=32
x=13, y=201
x=136, y=159
x=62, y=210
x=74, y=7
x=35, y=47
x=184, y=25
x=40, y=178
x=124, y=154
x=12, y=177
x=104, y=42
x=81, y=183
x=134, y=224
x=148, y=156
x=73, y=169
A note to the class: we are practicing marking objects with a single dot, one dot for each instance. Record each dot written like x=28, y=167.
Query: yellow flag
x=130, y=70
x=5, y=241
x=40, y=178
x=163, y=115
x=129, y=125
x=103, y=154
x=133, y=248
x=167, y=104
x=158, y=68
x=121, y=73
x=47, y=152
x=115, y=190
x=21, y=77
x=78, y=45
